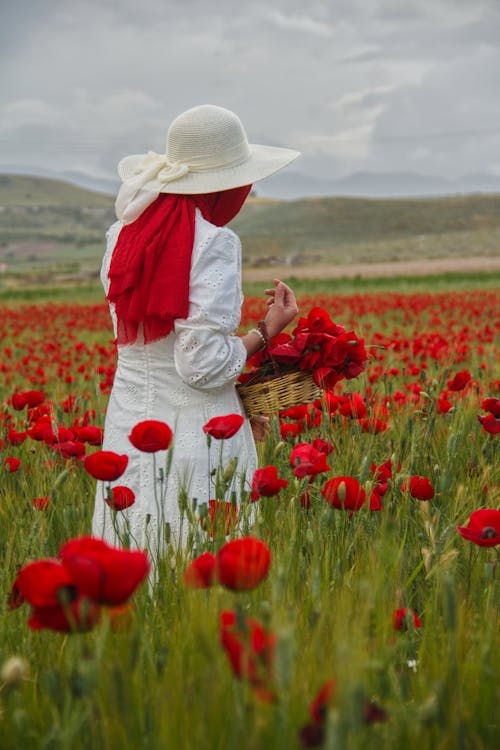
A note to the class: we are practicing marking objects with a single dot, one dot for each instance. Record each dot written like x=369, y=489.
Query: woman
x=172, y=276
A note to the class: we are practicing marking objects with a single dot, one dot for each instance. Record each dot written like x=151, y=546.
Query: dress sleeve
x=207, y=352
x=111, y=240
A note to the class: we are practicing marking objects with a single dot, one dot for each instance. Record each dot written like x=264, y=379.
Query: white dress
x=184, y=379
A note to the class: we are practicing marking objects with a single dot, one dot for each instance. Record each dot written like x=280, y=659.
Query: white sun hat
x=207, y=151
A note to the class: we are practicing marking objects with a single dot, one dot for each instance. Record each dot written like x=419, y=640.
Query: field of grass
x=157, y=675
x=92, y=293
x=48, y=226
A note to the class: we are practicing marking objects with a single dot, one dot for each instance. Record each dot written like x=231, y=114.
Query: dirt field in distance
x=376, y=270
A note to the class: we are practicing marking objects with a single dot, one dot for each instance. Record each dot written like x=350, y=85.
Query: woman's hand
x=282, y=308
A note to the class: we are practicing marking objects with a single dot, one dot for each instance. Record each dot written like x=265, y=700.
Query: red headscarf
x=151, y=262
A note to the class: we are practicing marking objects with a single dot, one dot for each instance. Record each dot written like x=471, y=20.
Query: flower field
x=351, y=601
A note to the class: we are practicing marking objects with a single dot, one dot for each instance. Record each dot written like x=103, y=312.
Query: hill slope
x=21, y=190
x=45, y=222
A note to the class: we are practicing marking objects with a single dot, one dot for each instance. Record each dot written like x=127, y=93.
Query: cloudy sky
x=376, y=85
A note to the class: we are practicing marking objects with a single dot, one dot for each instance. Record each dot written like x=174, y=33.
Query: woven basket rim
x=280, y=376
x=278, y=393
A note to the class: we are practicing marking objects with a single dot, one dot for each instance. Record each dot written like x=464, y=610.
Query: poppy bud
x=14, y=670
x=228, y=473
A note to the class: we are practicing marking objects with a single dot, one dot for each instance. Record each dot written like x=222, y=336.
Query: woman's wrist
x=262, y=336
x=253, y=342
x=264, y=332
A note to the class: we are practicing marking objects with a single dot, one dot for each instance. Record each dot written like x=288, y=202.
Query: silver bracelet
x=260, y=335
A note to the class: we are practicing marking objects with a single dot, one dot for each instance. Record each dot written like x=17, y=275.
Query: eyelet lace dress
x=184, y=379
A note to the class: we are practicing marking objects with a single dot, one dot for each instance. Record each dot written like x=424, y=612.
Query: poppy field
x=349, y=601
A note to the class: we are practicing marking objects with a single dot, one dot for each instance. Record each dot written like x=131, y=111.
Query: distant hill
x=107, y=185
x=371, y=230
x=48, y=223
x=26, y=190
x=290, y=184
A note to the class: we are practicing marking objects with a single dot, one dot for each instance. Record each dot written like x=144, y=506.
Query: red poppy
x=483, y=527
x=319, y=320
x=421, y=488
x=224, y=427
x=383, y=472
x=322, y=446
x=27, y=398
x=243, y=563
x=290, y=430
x=18, y=401
x=307, y=461
x=490, y=423
x=71, y=449
x=250, y=650
x=352, y=405
x=42, y=583
x=403, y=618
x=41, y=503
x=77, y=616
x=381, y=475
x=266, y=483
x=90, y=435
x=105, y=465
x=443, y=405
x=459, y=381
x=39, y=428
x=16, y=438
x=330, y=402
x=34, y=398
x=151, y=436
x=121, y=498
x=373, y=426
x=376, y=496
x=344, y=493
x=321, y=702
x=491, y=405
x=54, y=434
x=105, y=574
x=11, y=464
x=219, y=511
x=201, y=572
x=295, y=412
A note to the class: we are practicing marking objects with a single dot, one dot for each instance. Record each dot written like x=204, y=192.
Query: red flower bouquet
x=317, y=355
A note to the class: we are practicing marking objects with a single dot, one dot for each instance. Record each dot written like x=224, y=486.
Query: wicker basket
x=278, y=393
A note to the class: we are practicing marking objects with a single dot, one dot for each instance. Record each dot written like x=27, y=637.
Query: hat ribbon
x=159, y=167
x=133, y=198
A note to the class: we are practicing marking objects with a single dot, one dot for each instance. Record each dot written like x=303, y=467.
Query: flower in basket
x=317, y=346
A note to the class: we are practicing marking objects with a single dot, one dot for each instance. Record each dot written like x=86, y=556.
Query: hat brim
x=263, y=162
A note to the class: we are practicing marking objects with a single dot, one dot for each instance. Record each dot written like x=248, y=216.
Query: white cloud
x=355, y=84
x=299, y=23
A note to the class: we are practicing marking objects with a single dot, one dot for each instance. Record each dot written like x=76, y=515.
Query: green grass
x=88, y=293
x=405, y=284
